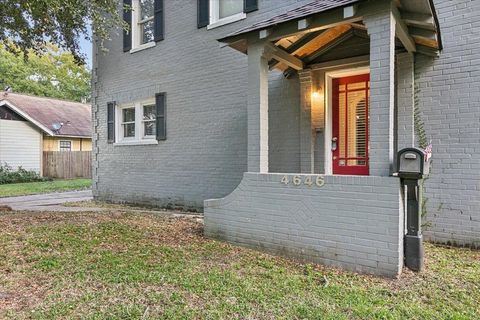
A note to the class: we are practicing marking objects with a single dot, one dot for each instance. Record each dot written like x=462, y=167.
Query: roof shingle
x=75, y=116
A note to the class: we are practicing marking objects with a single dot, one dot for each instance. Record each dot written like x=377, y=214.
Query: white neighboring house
x=21, y=144
x=27, y=129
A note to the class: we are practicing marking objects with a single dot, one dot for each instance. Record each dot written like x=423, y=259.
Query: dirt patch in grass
x=120, y=264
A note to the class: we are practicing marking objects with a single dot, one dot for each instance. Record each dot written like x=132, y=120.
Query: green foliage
x=8, y=175
x=54, y=74
x=423, y=141
x=114, y=265
x=419, y=125
x=20, y=189
x=31, y=24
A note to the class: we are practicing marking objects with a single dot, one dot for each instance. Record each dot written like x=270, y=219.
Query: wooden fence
x=67, y=164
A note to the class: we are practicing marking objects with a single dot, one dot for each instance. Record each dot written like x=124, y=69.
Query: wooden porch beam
x=332, y=44
x=428, y=51
x=361, y=33
x=303, y=41
x=359, y=26
x=418, y=20
x=401, y=31
x=318, y=22
x=424, y=37
x=424, y=33
x=303, y=24
x=262, y=34
x=321, y=21
x=284, y=57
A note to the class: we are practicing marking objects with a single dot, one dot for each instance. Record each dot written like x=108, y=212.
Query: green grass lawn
x=120, y=265
x=20, y=189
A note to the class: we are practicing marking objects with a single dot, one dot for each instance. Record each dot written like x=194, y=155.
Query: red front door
x=350, y=125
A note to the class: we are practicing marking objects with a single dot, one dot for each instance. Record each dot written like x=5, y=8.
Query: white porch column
x=405, y=100
x=306, y=130
x=381, y=28
x=257, y=108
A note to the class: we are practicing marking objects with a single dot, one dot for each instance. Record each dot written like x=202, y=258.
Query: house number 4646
x=306, y=180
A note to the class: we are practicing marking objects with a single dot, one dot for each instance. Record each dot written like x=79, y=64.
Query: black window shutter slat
x=127, y=17
x=203, y=13
x=111, y=122
x=159, y=20
x=161, y=122
x=250, y=5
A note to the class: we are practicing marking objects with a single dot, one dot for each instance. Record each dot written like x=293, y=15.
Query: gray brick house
x=280, y=119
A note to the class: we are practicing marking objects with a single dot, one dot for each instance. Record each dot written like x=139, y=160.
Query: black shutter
x=127, y=17
x=159, y=20
x=203, y=13
x=111, y=122
x=250, y=5
x=161, y=122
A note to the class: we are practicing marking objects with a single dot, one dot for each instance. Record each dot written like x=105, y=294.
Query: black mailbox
x=412, y=163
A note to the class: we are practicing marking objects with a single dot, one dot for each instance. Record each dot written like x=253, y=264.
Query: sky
x=86, y=48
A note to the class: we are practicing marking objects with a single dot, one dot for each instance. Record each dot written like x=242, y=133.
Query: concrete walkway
x=53, y=202
x=49, y=201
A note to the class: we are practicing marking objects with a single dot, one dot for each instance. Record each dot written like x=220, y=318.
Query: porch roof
x=297, y=13
x=301, y=35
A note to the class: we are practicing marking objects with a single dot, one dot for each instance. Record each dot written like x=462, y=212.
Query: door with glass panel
x=350, y=97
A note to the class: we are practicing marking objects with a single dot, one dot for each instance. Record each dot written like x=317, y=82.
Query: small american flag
x=428, y=151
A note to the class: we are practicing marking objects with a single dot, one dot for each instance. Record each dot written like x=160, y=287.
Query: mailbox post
x=412, y=167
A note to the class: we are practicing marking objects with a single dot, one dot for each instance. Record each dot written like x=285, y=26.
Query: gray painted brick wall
x=450, y=104
x=204, y=155
x=284, y=125
x=405, y=100
x=381, y=29
x=297, y=221
x=206, y=85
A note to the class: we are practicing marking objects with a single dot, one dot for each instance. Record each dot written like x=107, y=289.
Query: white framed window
x=65, y=145
x=143, y=16
x=136, y=123
x=149, y=120
x=127, y=123
x=225, y=11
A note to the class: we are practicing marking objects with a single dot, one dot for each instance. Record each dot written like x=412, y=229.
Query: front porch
x=341, y=205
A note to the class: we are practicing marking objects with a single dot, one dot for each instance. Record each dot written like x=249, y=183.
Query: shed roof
x=44, y=112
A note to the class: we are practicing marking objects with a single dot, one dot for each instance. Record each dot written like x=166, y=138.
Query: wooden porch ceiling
x=307, y=46
x=303, y=40
x=310, y=46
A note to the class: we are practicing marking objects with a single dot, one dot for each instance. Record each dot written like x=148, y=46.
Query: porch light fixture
x=316, y=95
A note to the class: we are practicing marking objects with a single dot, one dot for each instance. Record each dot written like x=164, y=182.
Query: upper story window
x=146, y=21
x=225, y=11
x=143, y=16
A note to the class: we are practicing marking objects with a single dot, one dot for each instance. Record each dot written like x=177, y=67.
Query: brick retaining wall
x=351, y=222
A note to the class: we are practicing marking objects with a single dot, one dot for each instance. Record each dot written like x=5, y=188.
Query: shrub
x=8, y=175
